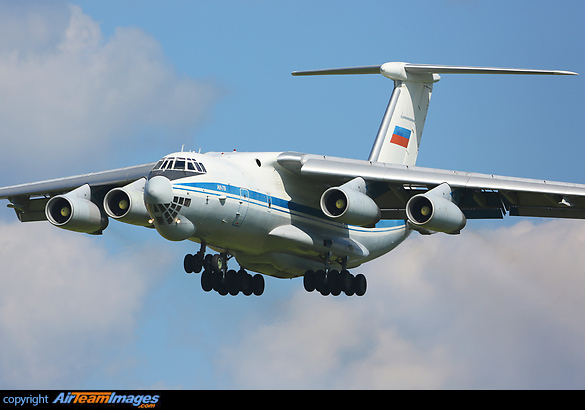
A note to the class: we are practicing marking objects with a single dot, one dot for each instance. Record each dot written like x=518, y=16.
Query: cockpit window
x=158, y=164
x=179, y=164
x=187, y=165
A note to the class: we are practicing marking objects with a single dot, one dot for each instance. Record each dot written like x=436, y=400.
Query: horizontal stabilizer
x=447, y=69
x=409, y=72
x=370, y=69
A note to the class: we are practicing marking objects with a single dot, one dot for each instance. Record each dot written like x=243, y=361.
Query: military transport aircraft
x=290, y=214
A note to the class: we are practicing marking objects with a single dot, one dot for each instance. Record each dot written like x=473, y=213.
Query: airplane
x=291, y=214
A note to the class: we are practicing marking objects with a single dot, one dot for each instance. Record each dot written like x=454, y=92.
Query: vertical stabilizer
x=400, y=133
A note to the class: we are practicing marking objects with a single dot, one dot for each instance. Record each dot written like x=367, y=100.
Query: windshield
x=177, y=167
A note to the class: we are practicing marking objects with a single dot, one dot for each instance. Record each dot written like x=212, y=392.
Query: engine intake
x=126, y=204
x=75, y=211
x=435, y=211
x=349, y=203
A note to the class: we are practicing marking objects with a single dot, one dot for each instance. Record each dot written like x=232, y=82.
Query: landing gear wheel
x=309, y=280
x=333, y=279
x=245, y=280
x=188, y=262
x=360, y=285
x=197, y=263
x=346, y=282
x=231, y=281
x=258, y=284
x=193, y=263
x=217, y=263
x=207, y=280
x=207, y=261
x=334, y=282
x=321, y=282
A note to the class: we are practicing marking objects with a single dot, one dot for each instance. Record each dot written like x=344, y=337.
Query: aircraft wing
x=480, y=196
x=29, y=200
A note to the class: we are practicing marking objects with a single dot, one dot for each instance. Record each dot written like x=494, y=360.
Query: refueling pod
x=126, y=204
x=349, y=203
x=436, y=211
x=75, y=211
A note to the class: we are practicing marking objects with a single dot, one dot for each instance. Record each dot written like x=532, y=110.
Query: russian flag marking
x=400, y=136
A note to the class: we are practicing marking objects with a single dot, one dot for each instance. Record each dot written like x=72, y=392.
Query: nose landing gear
x=216, y=275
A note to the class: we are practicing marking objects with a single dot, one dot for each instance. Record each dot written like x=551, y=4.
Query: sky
x=88, y=86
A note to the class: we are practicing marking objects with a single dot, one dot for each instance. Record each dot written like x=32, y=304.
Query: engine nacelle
x=127, y=205
x=434, y=211
x=74, y=211
x=349, y=203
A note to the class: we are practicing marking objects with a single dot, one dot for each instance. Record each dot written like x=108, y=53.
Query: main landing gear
x=217, y=277
x=333, y=282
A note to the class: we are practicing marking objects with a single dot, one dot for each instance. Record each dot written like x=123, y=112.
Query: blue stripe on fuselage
x=217, y=189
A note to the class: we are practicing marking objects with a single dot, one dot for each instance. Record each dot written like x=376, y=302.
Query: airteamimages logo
x=143, y=401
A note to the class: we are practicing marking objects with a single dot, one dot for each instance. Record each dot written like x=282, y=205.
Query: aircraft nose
x=158, y=190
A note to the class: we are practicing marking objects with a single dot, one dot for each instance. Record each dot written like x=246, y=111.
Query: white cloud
x=495, y=309
x=65, y=302
x=67, y=94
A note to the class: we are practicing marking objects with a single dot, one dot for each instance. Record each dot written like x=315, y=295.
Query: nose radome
x=158, y=190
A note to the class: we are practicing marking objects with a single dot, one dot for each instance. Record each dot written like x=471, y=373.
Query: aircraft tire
x=258, y=284
x=222, y=288
x=333, y=280
x=193, y=263
x=231, y=281
x=245, y=280
x=360, y=285
x=346, y=282
x=309, y=280
x=207, y=261
x=207, y=280
x=197, y=263
x=187, y=263
x=321, y=282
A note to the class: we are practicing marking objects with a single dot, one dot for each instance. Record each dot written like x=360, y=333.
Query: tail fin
x=400, y=133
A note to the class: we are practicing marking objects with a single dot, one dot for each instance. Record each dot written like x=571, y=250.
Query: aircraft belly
x=276, y=236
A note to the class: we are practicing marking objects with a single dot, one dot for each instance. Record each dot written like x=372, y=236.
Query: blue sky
x=87, y=86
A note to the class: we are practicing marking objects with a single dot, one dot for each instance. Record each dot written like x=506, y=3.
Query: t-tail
x=400, y=132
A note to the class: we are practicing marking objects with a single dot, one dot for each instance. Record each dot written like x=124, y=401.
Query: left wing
x=29, y=200
x=479, y=196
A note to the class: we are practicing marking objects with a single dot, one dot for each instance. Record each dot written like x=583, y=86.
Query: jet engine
x=435, y=211
x=126, y=204
x=75, y=211
x=349, y=203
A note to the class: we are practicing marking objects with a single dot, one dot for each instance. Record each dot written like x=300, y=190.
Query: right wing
x=480, y=196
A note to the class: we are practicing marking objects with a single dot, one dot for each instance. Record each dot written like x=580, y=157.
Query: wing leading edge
x=480, y=196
